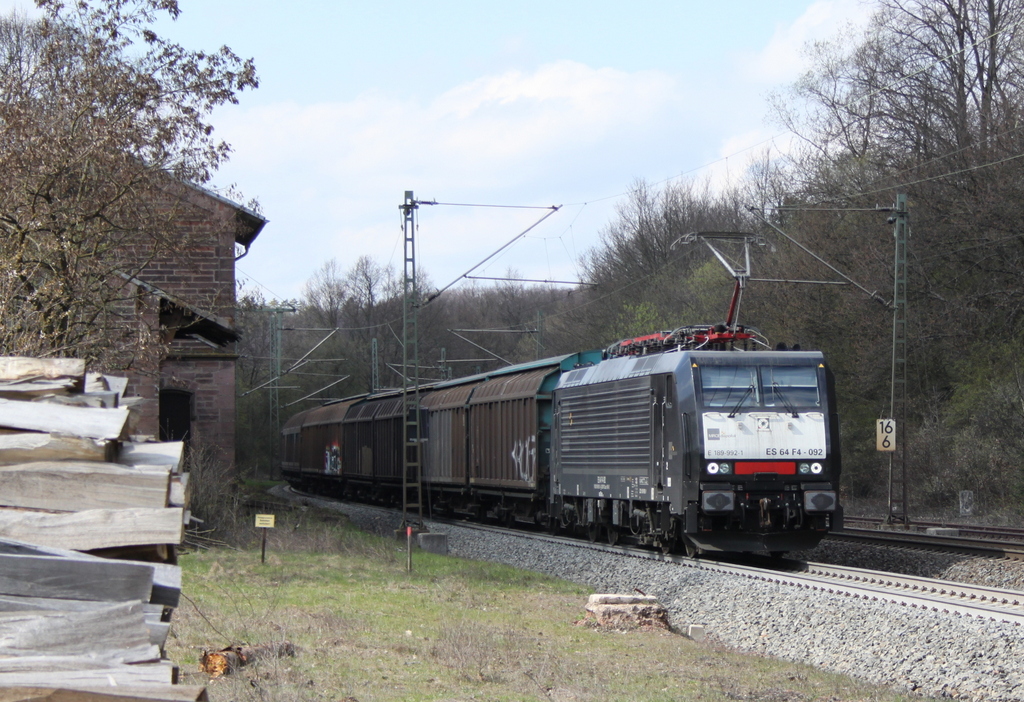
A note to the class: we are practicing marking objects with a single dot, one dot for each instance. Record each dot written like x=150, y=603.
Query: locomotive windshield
x=793, y=385
x=730, y=386
x=735, y=387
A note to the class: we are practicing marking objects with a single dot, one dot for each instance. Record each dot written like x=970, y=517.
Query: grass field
x=367, y=630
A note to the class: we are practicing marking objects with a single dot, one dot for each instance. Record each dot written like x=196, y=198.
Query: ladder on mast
x=412, y=476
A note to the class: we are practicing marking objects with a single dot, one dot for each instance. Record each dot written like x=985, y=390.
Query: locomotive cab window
x=730, y=386
x=736, y=387
x=796, y=386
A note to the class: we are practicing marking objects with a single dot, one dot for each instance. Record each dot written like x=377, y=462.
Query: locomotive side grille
x=606, y=426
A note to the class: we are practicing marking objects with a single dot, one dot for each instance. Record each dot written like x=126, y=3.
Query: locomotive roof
x=670, y=362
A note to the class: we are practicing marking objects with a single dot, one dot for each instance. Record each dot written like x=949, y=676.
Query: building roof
x=196, y=322
x=251, y=222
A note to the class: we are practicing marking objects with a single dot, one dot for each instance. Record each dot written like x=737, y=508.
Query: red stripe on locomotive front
x=751, y=467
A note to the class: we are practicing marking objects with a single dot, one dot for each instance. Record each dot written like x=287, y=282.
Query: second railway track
x=969, y=546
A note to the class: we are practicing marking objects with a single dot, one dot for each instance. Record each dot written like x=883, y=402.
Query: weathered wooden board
x=93, y=684
x=157, y=628
x=24, y=447
x=166, y=584
x=159, y=453
x=114, y=634
x=178, y=496
x=11, y=603
x=117, y=384
x=166, y=577
x=92, y=399
x=75, y=578
x=86, y=422
x=94, y=528
x=23, y=368
x=31, y=389
x=99, y=383
x=73, y=486
x=158, y=632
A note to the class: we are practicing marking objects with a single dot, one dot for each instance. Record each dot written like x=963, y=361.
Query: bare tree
x=925, y=102
x=326, y=293
x=104, y=129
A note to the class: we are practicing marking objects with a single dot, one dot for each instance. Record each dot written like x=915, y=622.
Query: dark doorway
x=175, y=415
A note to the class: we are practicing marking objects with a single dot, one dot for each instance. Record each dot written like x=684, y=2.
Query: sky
x=524, y=103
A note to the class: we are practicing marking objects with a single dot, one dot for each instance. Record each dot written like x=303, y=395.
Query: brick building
x=190, y=298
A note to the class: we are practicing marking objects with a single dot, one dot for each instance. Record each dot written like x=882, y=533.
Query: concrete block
x=626, y=612
x=695, y=632
x=433, y=543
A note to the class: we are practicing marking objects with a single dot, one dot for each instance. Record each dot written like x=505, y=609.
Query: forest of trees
x=926, y=101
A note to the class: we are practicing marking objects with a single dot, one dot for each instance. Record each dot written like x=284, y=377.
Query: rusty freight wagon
x=312, y=447
x=487, y=444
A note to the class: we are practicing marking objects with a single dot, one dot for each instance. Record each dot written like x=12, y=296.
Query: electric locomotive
x=718, y=450
x=675, y=439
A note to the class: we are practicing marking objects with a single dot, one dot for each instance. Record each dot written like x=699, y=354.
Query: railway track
x=1008, y=534
x=987, y=547
x=911, y=591
x=924, y=593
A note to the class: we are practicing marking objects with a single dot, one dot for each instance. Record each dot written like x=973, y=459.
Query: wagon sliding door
x=504, y=431
x=446, y=457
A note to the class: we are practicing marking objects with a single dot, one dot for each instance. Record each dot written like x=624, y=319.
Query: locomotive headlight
x=713, y=468
x=804, y=468
x=724, y=468
x=816, y=468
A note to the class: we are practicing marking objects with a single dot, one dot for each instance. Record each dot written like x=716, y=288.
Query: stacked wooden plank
x=89, y=520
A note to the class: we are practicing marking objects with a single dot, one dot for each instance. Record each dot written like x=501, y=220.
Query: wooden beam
x=24, y=447
x=73, y=486
x=97, y=382
x=24, y=368
x=166, y=577
x=94, y=528
x=29, y=389
x=11, y=603
x=86, y=422
x=80, y=399
x=114, y=634
x=158, y=632
x=89, y=683
x=75, y=578
x=158, y=628
x=160, y=453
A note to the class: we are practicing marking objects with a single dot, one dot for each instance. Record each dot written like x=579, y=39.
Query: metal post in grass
x=408, y=548
x=264, y=522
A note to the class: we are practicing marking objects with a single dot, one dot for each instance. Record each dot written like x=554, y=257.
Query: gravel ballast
x=931, y=653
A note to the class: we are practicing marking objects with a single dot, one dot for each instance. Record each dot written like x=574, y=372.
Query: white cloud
x=782, y=60
x=512, y=138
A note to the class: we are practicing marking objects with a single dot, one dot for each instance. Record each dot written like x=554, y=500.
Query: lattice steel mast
x=412, y=477
x=898, y=510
